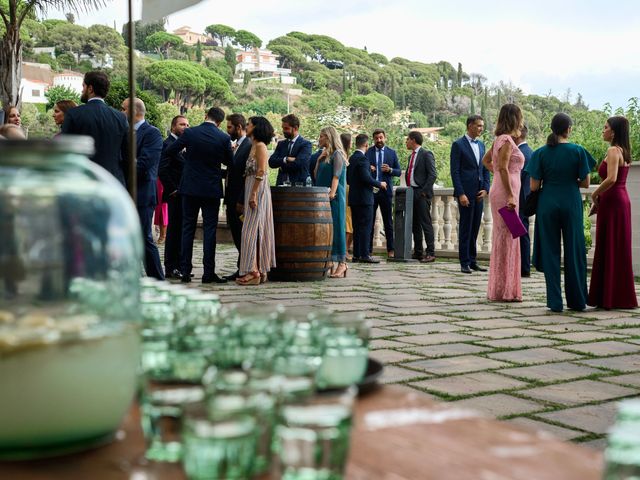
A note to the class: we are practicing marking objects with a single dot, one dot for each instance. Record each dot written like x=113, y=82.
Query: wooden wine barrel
x=303, y=233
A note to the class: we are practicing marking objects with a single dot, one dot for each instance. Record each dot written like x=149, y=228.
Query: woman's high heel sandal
x=249, y=279
x=341, y=271
x=263, y=278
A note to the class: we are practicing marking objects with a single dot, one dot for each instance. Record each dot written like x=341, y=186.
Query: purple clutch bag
x=514, y=224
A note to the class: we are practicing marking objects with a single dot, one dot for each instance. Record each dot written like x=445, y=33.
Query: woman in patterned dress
x=258, y=252
x=505, y=160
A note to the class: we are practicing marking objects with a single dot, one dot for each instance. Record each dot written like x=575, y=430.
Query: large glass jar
x=70, y=265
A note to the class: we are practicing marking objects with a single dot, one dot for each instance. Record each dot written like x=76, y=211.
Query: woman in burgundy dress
x=612, y=284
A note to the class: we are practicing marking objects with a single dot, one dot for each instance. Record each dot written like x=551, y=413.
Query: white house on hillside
x=69, y=79
x=264, y=62
x=36, y=78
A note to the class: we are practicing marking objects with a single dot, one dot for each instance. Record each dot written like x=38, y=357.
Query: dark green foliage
x=119, y=90
x=142, y=31
x=60, y=92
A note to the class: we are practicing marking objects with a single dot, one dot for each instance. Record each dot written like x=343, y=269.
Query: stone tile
x=378, y=344
x=597, y=444
x=629, y=332
x=499, y=405
x=427, y=318
x=350, y=307
x=436, y=338
x=505, y=333
x=488, y=314
x=591, y=418
x=393, y=356
x=383, y=333
x=611, y=322
x=624, y=363
x=604, y=314
x=585, y=336
x=519, y=342
x=411, y=310
x=393, y=374
x=564, y=328
x=461, y=364
x=380, y=322
x=492, y=323
x=552, y=319
x=551, y=372
x=447, y=350
x=534, y=355
x=424, y=328
x=406, y=304
x=578, y=392
x=538, y=426
x=632, y=379
x=602, y=349
x=470, y=384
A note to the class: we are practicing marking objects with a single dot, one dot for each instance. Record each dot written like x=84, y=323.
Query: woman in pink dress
x=505, y=160
x=161, y=215
x=612, y=284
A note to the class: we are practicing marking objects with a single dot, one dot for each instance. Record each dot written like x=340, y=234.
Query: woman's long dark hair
x=509, y=119
x=620, y=127
x=560, y=124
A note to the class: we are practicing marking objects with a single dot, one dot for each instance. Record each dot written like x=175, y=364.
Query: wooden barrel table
x=303, y=233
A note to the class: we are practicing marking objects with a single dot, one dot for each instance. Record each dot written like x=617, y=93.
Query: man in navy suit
x=525, y=189
x=384, y=166
x=148, y=151
x=361, y=185
x=420, y=176
x=292, y=154
x=470, y=185
x=170, y=173
x=108, y=127
x=207, y=149
x=234, y=191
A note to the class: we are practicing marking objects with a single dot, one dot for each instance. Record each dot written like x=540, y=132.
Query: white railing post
x=487, y=226
x=446, y=216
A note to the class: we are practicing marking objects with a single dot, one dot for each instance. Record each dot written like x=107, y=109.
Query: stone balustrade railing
x=444, y=216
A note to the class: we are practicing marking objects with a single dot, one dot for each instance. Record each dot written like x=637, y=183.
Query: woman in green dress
x=560, y=169
x=331, y=172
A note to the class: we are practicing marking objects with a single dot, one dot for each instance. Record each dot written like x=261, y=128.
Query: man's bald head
x=139, y=108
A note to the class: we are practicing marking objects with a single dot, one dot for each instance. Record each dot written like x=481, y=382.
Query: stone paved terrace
x=435, y=332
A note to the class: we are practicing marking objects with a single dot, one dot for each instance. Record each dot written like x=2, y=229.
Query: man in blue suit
x=148, y=151
x=291, y=156
x=361, y=185
x=525, y=189
x=108, y=127
x=384, y=165
x=170, y=173
x=470, y=185
x=207, y=149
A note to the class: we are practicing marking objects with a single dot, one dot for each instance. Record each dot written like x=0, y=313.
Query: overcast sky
x=589, y=46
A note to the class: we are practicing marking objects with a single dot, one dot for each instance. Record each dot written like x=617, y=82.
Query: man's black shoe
x=369, y=260
x=465, y=270
x=175, y=273
x=355, y=260
x=214, y=279
x=232, y=277
x=477, y=268
x=525, y=274
x=417, y=256
x=186, y=279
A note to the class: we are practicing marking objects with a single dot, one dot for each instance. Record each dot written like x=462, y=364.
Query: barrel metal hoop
x=304, y=260
x=280, y=208
x=310, y=221
x=296, y=248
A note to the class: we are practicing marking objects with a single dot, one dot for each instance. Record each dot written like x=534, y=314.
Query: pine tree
x=472, y=108
x=459, y=75
x=198, y=52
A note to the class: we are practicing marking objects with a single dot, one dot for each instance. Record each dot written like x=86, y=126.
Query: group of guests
x=12, y=124
x=555, y=174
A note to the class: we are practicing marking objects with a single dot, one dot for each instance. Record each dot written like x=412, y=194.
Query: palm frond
x=72, y=5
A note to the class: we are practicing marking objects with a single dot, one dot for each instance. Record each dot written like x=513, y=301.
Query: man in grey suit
x=420, y=176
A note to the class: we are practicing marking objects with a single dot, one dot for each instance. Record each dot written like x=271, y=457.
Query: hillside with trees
x=348, y=87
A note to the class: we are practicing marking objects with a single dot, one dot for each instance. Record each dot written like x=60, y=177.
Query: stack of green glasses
x=622, y=455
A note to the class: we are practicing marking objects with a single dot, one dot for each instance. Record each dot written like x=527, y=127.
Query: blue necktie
x=379, y=164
